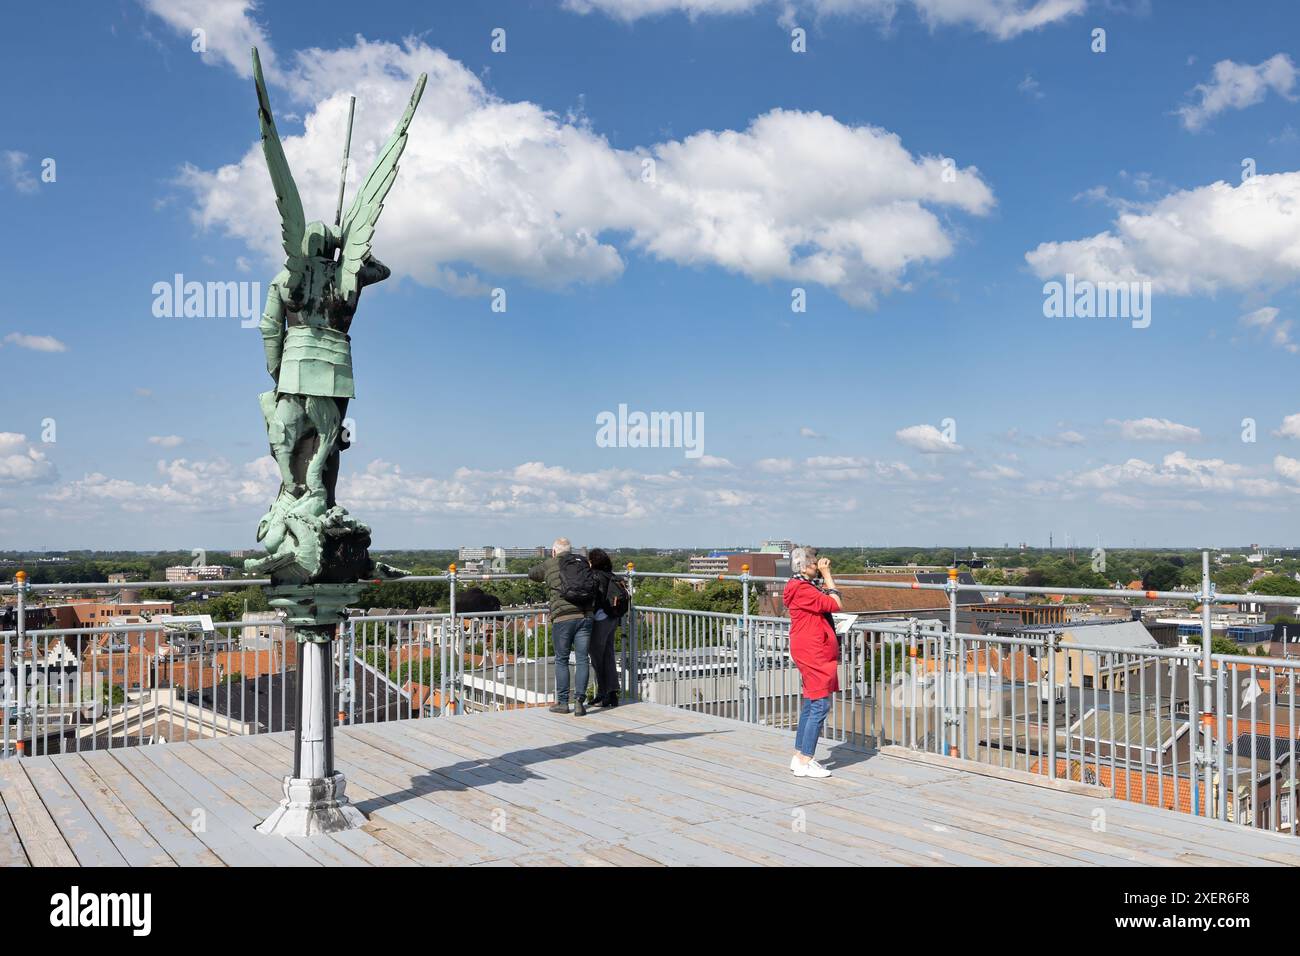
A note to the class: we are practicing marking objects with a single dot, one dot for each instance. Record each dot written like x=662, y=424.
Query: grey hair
x=802, y=558
x=561, y=546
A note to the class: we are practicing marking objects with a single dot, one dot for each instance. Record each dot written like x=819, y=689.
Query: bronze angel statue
x=305, y=325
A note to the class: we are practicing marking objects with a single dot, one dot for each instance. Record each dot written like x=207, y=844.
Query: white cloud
x=1002, y=19
x=775, y=466
x=15, y=166
x=21, y=461
x=1154, y=429
x=629, y=10
x=712, y=461
x=1290, y=427
x=729, y=498
x=166, y=441
x=1193, y=241
x=1057, y=440
x=995, y=472
x=229, y=30
x=820, y=468
x=1178, y=471
x=806, y=432
x=1237, y=86
x=532, y=489
x=1288, y=468
x=182, y=484
x=36, y=343
x=1266, y=323
x=496, y=188
x=1029, y=86
x=528, y=490
x=927, y=439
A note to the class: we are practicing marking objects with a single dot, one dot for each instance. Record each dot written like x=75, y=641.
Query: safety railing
x=1182, y=728
x=95, y=688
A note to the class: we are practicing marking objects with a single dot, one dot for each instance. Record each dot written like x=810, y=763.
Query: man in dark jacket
x=570, y=631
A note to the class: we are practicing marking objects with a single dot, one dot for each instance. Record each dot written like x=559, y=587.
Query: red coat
x=813, y=644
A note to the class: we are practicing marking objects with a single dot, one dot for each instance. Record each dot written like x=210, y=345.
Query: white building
x=489, y=551
x=715, y=563
x=200, y=572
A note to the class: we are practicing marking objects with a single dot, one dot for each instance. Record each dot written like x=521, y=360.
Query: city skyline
x=649, y=194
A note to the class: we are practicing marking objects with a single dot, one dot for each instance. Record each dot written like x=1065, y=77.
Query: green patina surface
x=311, y=541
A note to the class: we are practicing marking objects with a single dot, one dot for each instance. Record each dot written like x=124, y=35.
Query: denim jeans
x=571, y=636
x=811, y=717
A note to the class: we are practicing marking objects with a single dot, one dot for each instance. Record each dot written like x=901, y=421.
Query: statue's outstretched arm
x=272, y=327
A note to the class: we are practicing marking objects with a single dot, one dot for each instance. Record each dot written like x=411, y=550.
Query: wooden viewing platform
x=641, y=785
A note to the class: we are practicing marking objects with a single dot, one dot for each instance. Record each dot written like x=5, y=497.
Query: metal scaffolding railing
x=1183, y=728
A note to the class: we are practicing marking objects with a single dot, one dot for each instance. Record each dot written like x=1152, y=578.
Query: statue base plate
x=312, y=806
x=314, y=610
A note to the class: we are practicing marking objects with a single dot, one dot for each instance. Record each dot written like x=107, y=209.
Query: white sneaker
x=810, y=769
x=794, y=764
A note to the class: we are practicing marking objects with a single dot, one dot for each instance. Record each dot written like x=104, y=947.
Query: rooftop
x=641, y=785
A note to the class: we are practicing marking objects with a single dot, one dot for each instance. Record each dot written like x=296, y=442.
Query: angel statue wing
x=292, y=221
x=358, y=226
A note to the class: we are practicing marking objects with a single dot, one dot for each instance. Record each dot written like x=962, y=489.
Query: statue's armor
x=316, y=356
x=317, y=359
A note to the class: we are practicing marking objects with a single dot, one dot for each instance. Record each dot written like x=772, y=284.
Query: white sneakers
x=810, y=769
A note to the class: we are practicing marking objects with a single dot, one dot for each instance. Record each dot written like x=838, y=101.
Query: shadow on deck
x=642, y=785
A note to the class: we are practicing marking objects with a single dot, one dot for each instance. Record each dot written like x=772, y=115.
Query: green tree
x=1161, y=576
x=1277, y=585
x=1218, y=644
x=418, y=670
x=229, y=606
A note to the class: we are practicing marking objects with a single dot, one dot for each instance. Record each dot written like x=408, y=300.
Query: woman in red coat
x=810, y=597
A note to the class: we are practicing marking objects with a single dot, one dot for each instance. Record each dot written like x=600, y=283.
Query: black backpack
x=577, y=582
x=615, y=600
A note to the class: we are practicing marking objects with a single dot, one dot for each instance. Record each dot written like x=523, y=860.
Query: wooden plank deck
x=642, y=785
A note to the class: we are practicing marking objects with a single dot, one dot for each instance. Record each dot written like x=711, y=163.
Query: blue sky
x=922, y=397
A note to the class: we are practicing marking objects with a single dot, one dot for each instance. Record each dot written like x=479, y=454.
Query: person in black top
x=611, y=605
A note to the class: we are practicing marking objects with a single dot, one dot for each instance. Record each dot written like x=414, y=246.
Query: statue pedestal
x=312, y=805
x=314, y=800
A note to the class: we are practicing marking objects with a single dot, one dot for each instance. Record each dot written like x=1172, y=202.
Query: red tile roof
x=1155, y=790
x=873, y=600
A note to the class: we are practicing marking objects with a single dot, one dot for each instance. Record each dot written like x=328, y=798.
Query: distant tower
x=1049, y=541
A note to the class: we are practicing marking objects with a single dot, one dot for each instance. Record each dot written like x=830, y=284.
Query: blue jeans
x=570, y=636
x=811, y=717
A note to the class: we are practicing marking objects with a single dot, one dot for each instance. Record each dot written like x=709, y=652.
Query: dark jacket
x=603, y=579
x=548, y=572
